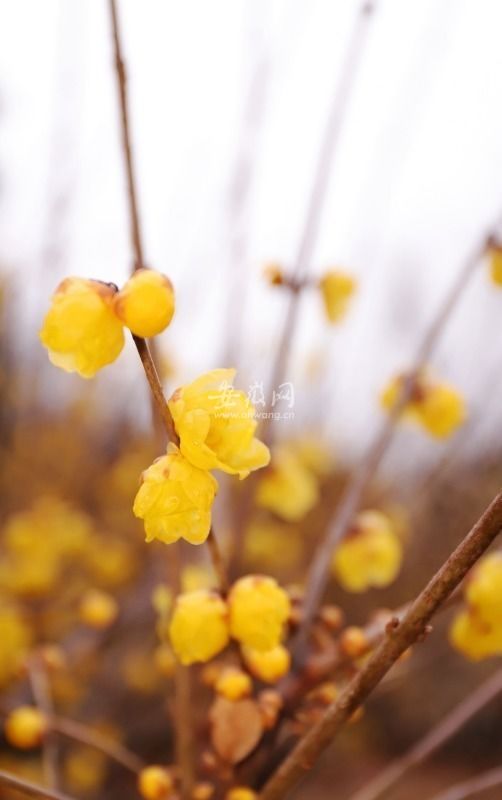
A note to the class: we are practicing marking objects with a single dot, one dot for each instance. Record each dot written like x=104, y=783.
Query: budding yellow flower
x=484, y=589
x=175, y=499
x=155, y=783
x=370, y=555
x=475, y=638
x=336, y=289
x=216, y=425
x=259, y=608
x=145, y=304
x=234, y=684
x=199, y=626
x=25, y=727
x=268, y=665
x=437, y=407
x=287, y=487
x=495, y=256
x=98, y=609
x=241, y=793
x=354, y=642
x=81, y=330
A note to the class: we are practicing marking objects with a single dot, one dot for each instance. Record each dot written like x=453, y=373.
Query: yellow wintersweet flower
x=155, y=783
x=435, y=406
x=25, y=727
x=98, y=609
x=336, y=289
x=268, y=666
x=259, y=609
x=199, y=626
x=272, y=544
x=145, y=304
x=15, y=639
x=495, y=256
x=216, y=425
x=81, y=330
x=370, y=555
x=484, y=589
x=175, y=499
x=475, y=638
x=234, y=684
x=287, y=487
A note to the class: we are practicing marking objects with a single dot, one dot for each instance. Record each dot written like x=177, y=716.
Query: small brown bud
x=354, y=642
x=203, y=791
x=332, y=616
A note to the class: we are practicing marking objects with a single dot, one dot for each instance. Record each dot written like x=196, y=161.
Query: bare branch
x=397, y=639
x=30, y=789
x=486, y=780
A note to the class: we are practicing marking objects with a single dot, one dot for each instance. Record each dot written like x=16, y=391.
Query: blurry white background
x=416, y=181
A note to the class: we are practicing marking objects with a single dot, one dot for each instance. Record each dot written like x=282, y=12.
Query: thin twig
x=79, y=732
x=473, y=786
x=318, y=193
x=349, y=504
x=398, y=638
x=433, y=740
x=41, y=691
x=29, y=788
x=121, y=74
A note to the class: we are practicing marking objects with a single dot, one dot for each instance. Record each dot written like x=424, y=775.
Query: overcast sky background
x=416, y=181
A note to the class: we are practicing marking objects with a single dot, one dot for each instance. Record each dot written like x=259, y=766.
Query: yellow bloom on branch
x=25, y=727
x=145, y=304
x=175, y=499
x=436, y=406
x=259, y=609
x=337, y=289
x=268, y=666
x=370, y=555
x=477, y=630
x=199, y=626
x=216, y=425
x=81, y=330
x=475, y=638
x=495, y=257
x=287, y=487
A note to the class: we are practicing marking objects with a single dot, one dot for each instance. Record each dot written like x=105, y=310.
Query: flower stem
x=88, y=736
x=397, y=639
x=29, y=788
x=486, y=780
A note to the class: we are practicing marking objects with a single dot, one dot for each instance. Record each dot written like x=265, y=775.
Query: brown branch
x=30, y=789
x=349, y=504
x=88, y=736
x=473, y=786
x=433, y=740
x=121, y=74
x=318, y=193
x=37, y=675
x=397, y=639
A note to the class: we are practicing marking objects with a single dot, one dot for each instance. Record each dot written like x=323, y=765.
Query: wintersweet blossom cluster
x=216, y=429
x=254, y=614
x=476, y=630
x=83, y=329
x=370, y=555
x=435, y=406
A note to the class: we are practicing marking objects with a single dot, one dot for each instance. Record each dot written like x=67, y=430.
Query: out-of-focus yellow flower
x=370, y=555
x=145, y=304
x=495, y=260
x=313, y=454
x=274, y=274
x=25, y=727
x=98, y=609
x=477, y=630
x=175, y=499
x=155, y=783
x=484, y=589
x=437, y=407
x=268, y=665
x=112, y=562
x=85, y=769
x=15, y=639
x=199, y=626
x=259, y=609
x=81, y=330
x=140, y=672
x=287, y=488
x=216, y=425
x=475, y=638
x=272, y=544
x=233, y=684
x=241, y=793
x=337, y=289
